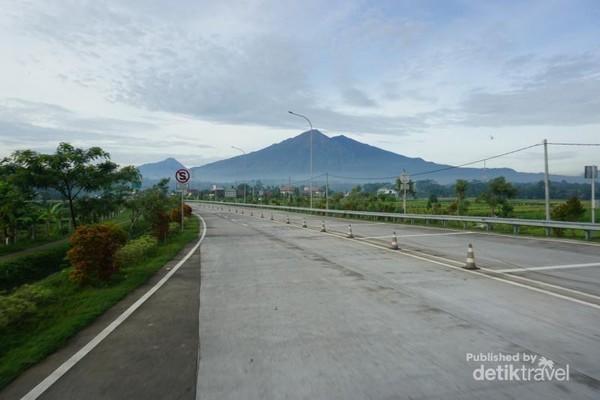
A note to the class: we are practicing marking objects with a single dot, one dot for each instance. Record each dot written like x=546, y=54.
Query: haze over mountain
x=345, y=160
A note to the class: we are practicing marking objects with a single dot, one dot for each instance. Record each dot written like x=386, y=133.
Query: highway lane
x=567, y=263
x=291, y=312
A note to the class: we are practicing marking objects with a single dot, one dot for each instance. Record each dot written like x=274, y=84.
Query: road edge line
x=85, y=350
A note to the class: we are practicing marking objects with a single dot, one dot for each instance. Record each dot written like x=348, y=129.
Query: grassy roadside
x=67, y=307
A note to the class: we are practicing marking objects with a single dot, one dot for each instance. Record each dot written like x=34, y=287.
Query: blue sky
x=447, y=81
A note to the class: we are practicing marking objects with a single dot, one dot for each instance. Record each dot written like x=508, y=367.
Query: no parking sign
x=182, y=175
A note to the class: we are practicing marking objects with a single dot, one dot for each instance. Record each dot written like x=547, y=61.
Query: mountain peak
x=161, y=169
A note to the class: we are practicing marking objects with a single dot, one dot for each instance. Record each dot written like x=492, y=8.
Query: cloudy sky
x=447, y=81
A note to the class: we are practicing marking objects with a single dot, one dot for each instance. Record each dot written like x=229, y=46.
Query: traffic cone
x=470, y=259
x=394, y=241
x=304, y=222
x=349, y=235
x=323, y=227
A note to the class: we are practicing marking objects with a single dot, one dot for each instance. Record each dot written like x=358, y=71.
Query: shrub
x=93, y=252
x=16, y=308
x=571, y=210
x=176, y=212
x=133, y=251
x=32, y=267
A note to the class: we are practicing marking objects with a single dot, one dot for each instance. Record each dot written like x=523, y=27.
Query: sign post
x=404, y=179
x=182, y=176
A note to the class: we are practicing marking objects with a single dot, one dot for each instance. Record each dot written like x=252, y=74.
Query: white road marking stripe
x=527, y=269
x=85, y=350
x=438, y=234
x=447, y=264
x=422, y=234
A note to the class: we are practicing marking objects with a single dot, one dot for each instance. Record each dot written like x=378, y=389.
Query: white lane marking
x=85, y=350
x=571, y=299
x=422, y=234
x=446, y=264
x=527, y=269
x=533, y=281
x=439, y=234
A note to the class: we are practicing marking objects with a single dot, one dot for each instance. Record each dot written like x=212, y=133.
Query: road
x=292, y=312
x=288, y=311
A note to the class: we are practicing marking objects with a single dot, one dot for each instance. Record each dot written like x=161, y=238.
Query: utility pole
x=546, y=181
x=327, y=190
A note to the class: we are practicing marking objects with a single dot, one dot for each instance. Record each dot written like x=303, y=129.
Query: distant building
x=387, y=190
x=286, y=190
x=315, y=191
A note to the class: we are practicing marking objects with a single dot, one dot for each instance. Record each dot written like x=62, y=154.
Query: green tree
x=460, y=190
x=155, y=206
x=571, y=210
x=72, y=171
x=14, y=196
x=498, y=193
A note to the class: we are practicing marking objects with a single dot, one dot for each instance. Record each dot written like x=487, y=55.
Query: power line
x=461, y=165
x=445, y=168
x=478, y=161
x=575, y=144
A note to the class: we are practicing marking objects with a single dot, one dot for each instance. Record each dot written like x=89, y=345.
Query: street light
x=237, y=148
x=311, y=155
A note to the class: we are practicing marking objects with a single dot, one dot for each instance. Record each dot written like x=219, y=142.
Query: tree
x=460, y=189
x=571, y=210
x=155, y=207
x=14, y=196
x=73, y=171
x=497, y=193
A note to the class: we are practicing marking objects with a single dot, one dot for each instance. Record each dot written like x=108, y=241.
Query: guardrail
x=485, y=222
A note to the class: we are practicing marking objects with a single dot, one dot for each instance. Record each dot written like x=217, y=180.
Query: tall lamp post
x=237, y=148
x=311, y=155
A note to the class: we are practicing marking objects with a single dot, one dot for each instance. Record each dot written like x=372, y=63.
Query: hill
x=343, y=159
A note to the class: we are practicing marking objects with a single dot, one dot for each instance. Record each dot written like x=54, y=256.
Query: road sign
x=182, y=175
x=404, y=177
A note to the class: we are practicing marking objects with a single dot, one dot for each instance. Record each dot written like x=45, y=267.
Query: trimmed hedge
x=33, y=267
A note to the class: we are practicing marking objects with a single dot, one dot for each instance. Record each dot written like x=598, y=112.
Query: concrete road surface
x=290, y=312
x=287, y=312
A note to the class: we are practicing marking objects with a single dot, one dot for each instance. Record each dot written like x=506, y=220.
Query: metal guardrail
x=486, y=222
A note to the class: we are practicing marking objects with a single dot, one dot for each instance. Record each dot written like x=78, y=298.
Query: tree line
x=91, y=186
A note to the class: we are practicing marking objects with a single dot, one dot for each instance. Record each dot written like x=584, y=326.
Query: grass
x=71, y=307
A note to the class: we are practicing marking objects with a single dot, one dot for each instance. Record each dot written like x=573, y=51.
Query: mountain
x=159, y=170
x=342, y=158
